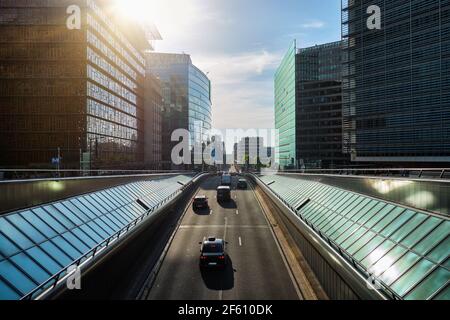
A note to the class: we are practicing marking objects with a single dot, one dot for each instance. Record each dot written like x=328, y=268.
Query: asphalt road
x=256, y=271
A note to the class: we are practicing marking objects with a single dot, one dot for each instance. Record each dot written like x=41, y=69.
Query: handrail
x=342, y=252
x=91, y=254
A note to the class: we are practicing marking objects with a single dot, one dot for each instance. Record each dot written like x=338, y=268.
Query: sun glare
x=168, y=15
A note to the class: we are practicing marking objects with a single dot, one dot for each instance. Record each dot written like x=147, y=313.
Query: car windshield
x=200, y=199
x=212, y=248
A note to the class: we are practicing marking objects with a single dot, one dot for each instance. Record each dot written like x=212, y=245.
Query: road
x=257, y=270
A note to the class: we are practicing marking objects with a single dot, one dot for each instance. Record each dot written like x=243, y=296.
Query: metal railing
x=413, y=173
x=57, y=278
x=388, y=292
x=30, y=174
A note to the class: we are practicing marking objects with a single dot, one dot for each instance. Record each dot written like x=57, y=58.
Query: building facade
x=76, y=90
x=308, y=107
x=396, y=84
x=319, y=107
x=285, y=109
x=186, y=92
x=153, y=123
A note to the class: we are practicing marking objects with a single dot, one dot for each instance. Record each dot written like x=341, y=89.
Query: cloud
x=242, y=88
x=313, y=24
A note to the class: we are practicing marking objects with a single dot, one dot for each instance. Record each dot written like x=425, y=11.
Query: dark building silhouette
x=79, y=90
x=396, y=95
x=319, y=106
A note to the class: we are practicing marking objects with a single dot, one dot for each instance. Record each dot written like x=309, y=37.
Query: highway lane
x=257, y=270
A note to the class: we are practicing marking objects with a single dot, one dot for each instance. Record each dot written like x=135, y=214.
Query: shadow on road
x=219, y=279
x=228, y=205
x=202, y=212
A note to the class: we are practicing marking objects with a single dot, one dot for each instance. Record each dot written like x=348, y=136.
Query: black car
x=242, y=184
x=200, y=202
x=223, y=194
x=212, y=253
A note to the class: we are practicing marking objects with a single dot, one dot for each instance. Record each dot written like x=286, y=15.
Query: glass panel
x=421, y=231
x=45, y=216
x=119, y=218
x=7, y=248
x=81, y=215
x=406, y=262
x=110, y=200
x=66, y=247
x=14, y=235
x=68, y=214
x=347, y=233
x=83, y=237
x=84, y=209
x=91, y=233
x=388, y=260
x=406, y=229
x=98, y=207
x=75, y=242
x=430, y=285
x=110, y=222
x=361, y=242
x=388, y=219
x=89, y=206
x=11, y=274
x=397, y=223
x=444, y=294
x=100, y=199
x=26, y=228
x=368, y=248
x=378, y=253
x=98, y=230
x=60, y=217
x=31, y=268
x=105, y=227
x=363, y=215
x=433, y=238
x=7, y=293
x=347, y=243
x=45, y=260
x=360, y=207
x=54, y=252
x=441, y=252
x=44, y=228
x=379, y=216
x=126, y=215
x=412, y=277
x=341, y=230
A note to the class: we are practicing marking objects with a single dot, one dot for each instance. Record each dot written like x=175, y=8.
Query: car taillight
x=222, y=258
x=203, y=257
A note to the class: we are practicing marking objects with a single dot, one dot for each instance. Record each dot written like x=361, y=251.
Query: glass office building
x=285, y=109
x=319, y=106
x=79, y=91
x=186, y=92
x=397, y=80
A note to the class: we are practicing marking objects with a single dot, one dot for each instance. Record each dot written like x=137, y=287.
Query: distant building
x=319, y=107
x=308, y=107
x=186, y=94
x=248, y=151
x=396, y=83
x=153, y=123
x=80, y=91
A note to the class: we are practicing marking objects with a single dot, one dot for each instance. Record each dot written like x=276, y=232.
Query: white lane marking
x=240, y=241
x=224, y=239
x=237, y=212
x=210, y=213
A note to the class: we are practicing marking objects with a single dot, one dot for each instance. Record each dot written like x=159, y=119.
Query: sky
x=240, y=44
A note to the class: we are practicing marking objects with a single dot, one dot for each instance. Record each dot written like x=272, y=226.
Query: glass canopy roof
x=407, y=251
x=37, y=243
